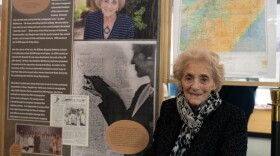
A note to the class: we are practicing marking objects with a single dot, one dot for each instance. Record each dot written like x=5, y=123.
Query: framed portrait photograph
x=130, y=19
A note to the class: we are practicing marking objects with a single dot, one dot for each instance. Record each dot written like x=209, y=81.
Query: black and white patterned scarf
x=193, y=120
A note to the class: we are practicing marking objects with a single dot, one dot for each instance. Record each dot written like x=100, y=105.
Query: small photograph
x=75, y=116
x=36, y=139
x=115, y=19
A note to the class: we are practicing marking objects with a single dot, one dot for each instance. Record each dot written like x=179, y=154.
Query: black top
x=123, y=27
x=223, y=133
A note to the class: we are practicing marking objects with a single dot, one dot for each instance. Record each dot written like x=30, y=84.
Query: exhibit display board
x=72, y=84
x=85, y=87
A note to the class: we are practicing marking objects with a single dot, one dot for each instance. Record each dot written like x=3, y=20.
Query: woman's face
x=109, y=7
x=197, y=82
x=143, y=66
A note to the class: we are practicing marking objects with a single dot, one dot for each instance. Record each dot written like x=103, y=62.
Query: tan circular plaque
x=127, y=137
x=31, y=6
x=15, y=150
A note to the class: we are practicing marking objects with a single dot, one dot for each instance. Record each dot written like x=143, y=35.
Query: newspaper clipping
x=71, y=113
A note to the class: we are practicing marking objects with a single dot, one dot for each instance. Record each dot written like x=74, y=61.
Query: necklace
x=107, y=30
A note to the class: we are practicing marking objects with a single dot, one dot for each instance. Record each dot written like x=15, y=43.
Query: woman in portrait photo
x=108, y=23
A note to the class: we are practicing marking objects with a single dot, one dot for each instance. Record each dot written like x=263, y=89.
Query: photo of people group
x=75, y=116
x=39, y=139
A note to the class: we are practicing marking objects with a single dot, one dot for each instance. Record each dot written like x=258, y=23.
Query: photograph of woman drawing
x=119, y=78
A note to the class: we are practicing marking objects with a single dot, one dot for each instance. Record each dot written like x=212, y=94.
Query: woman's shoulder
x=125, y=17
x=230, y=108
x=230, y=111
x=169, y=101
x=169, y=105
x=169, y=112
x=94, y=14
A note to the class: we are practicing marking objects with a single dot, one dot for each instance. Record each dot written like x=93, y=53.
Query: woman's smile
x=197, y=82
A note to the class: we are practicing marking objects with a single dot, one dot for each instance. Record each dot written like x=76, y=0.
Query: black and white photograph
x=75, y=116
x=120, y=80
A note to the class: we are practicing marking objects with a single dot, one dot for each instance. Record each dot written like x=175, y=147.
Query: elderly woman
x=108, y=23
x=197, y=122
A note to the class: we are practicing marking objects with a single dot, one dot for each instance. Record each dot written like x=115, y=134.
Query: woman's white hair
x=203, y=55
x=121, y=4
